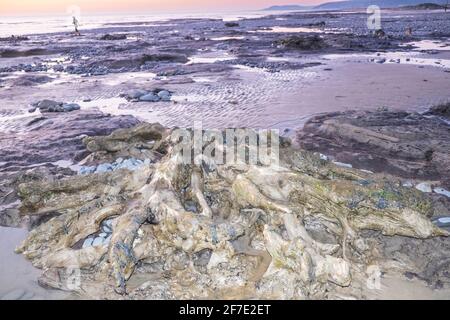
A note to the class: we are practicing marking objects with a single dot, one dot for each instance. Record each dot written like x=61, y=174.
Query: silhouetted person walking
x=75, y=24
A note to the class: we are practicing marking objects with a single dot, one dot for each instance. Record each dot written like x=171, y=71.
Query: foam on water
x=210, y=57
x=414, y=58
x=432, y=45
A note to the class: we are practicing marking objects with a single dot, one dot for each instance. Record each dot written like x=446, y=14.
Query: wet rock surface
x=44, y=147
x=113, y=49
x=409, y=145
x=55, y=137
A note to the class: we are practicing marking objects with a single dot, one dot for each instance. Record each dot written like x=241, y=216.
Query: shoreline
x=240, y=76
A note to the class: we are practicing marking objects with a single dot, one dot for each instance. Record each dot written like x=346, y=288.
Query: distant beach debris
x=47, y=105
x=303, y=42
x=14, y=38
x=155, y=95
x=113, y=37
x=231, y=24
x=379, y=33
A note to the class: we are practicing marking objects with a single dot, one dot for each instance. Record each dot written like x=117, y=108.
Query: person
x=408, y=32
x=75, y=24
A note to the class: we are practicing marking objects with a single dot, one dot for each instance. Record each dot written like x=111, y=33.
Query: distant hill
x=424, y=6
x=352, y=4
x=289, y=7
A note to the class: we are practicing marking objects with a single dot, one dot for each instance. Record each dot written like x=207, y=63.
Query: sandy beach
x=271, y=71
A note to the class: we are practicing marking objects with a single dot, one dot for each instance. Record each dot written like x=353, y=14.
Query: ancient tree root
x=265, y=208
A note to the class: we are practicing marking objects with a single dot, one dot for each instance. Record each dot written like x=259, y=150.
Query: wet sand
x=18, y=277
x=252, y=97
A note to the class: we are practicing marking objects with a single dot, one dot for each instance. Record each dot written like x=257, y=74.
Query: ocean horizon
x=43, y=24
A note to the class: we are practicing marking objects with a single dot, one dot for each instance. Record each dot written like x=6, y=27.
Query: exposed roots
x=206, y=228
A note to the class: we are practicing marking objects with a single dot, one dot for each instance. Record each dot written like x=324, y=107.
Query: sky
x=27, y=7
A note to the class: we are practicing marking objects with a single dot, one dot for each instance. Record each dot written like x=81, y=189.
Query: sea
x=27, y=25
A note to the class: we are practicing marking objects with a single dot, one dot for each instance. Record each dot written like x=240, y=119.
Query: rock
x=31, y=110
x=442, y=222
x=107, y=226
x=442, y=110
x=442, y=191
x=150, y=97
x=87, y=242
x=58, y=68
x=42, y=142
x=424, y=187
x=98, y=242
x=379, y=33
x=164, y=95
x=341, y=164
x=15, y=294
x=113, y=37
x=306, y=42
x=136, y=94
x=130, y=164
x=408, y=184
x=86, y=170
x=104, y=167
x=103, y=235
x=410, y=145
x=382, y=60
x=46, y=104
x=68, y=107
x=231, y=24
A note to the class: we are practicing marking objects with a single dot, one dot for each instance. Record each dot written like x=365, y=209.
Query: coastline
x=223, y=76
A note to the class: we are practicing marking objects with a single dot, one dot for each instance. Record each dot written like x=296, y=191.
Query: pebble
x=98, y=242
x=68, y=107
x=87, y=242
x=164, y=95
x=442, y=191
x=424, y=187
x=104, y=167
x=107, y=226
x=345, y=165
x=151, y=97
x=136, y=94
x=86, y=170
x=131, y=164
x=442, y=222
x=45, y=104
x=408, y=184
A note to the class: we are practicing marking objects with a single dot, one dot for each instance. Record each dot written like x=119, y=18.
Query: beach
x=259, y=70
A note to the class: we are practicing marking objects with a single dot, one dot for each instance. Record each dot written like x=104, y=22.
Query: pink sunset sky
x=24, y=7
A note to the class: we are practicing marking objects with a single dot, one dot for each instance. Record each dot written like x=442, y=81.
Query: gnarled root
x=250, y=218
